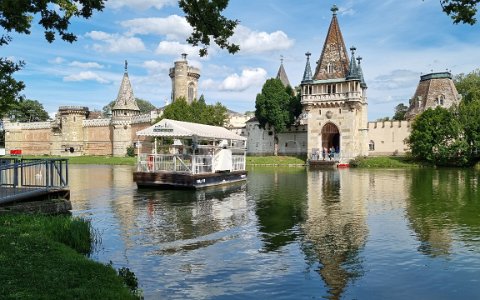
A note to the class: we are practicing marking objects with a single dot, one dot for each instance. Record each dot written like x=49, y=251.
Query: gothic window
x=191, y=90
x=441, y=100
x=310, y=90
x=371, y=146
x=329, y=68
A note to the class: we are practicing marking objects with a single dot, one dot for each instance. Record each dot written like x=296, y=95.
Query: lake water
x=290, y=233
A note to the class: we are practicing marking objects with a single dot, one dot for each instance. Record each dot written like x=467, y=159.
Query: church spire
x=333, y=61
x=307, y=74
x=363, y=84
x=282, y=75
x=125, y=100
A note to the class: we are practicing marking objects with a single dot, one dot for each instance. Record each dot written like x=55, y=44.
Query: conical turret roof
x=333, y=61
x=125, y=99
x=307, y=74
x=282, y=75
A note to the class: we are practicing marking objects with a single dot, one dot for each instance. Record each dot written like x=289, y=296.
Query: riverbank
x=43, y=257
x=384, y=162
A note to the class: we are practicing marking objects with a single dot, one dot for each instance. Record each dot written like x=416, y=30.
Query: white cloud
x=258, y=42
x=140, y=4
x=396, y=79
x=250, y=77
x=86, y=65
x=208, y=84
x=173, y=27
x=84, y=76
x=115, y=42
x=154, y=66
x=175, y=48
x=57, y=60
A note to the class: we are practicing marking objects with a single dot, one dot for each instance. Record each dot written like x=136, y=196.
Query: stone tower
x=334, y=99
x=69, y=122
x=184, y=80
x=434, y=89
x=123, y=110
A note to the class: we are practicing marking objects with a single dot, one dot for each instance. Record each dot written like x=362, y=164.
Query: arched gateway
x=331, y=137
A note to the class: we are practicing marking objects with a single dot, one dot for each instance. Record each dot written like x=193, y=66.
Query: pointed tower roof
x=125, y=99
x=363, y=84
x=353, y=69
x=333, y=61
x=307, y=74
x=282, y=75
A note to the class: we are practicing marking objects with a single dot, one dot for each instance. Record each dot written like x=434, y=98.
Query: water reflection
x=292, y=233
x=441, y=201
x=335, y=228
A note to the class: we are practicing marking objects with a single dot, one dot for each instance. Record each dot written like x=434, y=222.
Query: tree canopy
x=28, y=111
x=273, y=106
x=400, y=111
x=461, y=11
x=197, y=112
x=468, y=85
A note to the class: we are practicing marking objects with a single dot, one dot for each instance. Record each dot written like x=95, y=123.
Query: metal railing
x=21, y=176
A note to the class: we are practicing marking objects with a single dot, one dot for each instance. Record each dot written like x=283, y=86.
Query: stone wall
x=388, y=138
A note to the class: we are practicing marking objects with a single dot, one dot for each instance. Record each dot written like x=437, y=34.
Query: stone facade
x=434, y=89
x=74, y=132
x=334, y=99
x=184, y=80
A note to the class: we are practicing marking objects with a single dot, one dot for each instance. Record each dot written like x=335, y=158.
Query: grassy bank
x=275, y=160
x=92, y=160
x=42, y=257
x=383, y=162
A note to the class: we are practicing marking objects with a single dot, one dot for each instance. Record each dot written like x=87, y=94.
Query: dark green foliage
x=54, y=15
x=129, y=279
x=437, y=137
x=273, y=106
x=145, y=107
x=10, y=88
x=40, y=259
x=27, y=111
x=400, y=111
x=197, y=112
x=130, y=151
x=208, y=23
x=461, y=11
x=468, y=85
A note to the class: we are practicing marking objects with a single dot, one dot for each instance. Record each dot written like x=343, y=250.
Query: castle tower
x=434, y=89
x=334, y=99
x=282, y=75
x=123, y=110
x=69, y=121
x=184, y=80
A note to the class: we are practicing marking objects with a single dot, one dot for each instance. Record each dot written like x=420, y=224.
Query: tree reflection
x=280, y=204
x=442, y=200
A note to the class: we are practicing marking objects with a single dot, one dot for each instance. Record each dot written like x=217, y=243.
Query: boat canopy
x=178, y=129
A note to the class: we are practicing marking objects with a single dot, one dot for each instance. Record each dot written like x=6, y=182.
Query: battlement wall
x=388, y=137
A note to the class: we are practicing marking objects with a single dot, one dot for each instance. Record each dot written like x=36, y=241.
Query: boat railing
x=238, y=162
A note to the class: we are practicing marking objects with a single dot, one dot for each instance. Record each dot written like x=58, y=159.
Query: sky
x=398, y=40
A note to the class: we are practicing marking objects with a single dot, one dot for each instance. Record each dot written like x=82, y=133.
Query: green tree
x=400, y=111
x=461, y=11
x=295, y=103
x=205, y=16
x=437, y=138
x=469, y=118
x=28, y=111
x=197, y=112
x=145, y=107
x=468, y=85
x=272, y=107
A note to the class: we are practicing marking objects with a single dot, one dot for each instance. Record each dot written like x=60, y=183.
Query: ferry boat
x=190, y=155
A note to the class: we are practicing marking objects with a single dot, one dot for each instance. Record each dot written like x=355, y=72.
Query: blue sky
x=398, y=40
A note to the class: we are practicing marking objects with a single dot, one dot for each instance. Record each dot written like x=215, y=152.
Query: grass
x=41, y=257
x=275, y=160
x=92, y=160
x=384, y=162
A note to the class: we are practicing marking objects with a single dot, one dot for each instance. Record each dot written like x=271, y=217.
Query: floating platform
x=322, y=163
x=178, y=180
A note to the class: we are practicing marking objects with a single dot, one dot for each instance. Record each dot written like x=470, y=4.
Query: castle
x=334, y=101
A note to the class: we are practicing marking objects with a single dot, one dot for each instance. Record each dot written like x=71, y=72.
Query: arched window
x=191, y=92
x=371, y=146
x=329, y=68
x=441, y=100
